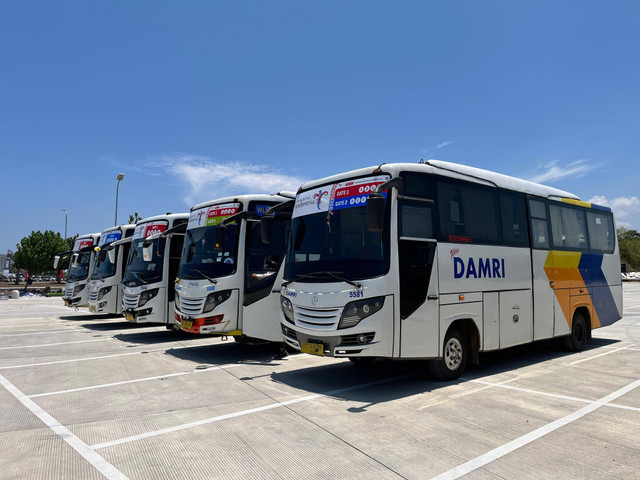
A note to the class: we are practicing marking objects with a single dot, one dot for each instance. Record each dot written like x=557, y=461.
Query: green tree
x=135, y=218
x=35, y=253
x=629, y=241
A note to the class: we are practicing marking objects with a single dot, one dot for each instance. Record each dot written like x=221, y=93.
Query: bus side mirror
x=112, y=255
x=375, y=212
x=56, y=261
x=266, y=229
x=219, y=236
x=74, y=262
x=147, y=251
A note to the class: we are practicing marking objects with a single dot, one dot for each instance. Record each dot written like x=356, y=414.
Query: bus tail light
x=356, y=311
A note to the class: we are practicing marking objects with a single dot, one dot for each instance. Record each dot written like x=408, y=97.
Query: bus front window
x=103, y=268
x=139, y=271
x=80, y=269
x=200, y=257
x=337, y=242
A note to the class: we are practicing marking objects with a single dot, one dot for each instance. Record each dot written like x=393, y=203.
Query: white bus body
x=147, y=293
x=238, y=297
x=76, y=293
x=105, y=288
x=461, y=260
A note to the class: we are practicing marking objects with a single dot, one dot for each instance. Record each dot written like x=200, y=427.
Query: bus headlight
x=214, y=299
x=287, y=309
x=355, y=311
x=77, y=290
x=103, y=292
x=147, y=295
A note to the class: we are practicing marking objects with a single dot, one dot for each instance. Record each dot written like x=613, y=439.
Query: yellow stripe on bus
x=580, y=203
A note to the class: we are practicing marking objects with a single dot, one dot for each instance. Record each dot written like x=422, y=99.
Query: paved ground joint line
x=94, y=458
x=270, y=406
x=513, y=445
x=54, y=344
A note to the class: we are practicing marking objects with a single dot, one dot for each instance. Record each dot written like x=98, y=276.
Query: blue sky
x=197, y=100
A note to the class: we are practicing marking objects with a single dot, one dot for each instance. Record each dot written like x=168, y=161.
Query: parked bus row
x=434, y=261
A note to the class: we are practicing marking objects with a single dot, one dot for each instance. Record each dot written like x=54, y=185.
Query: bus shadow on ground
x=387, y=380
x=228, y=352
x=82, y=318
x=105, y=327
x=153, y=337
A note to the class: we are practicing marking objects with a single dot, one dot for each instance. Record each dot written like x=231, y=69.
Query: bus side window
x=539, y=229
x=601, y=234
x=416, y=220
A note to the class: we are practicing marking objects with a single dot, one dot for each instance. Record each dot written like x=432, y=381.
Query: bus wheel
x=454, y=356
x=577, y=339
x=362, y=361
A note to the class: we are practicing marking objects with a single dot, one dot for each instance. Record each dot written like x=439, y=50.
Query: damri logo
x=478, y=268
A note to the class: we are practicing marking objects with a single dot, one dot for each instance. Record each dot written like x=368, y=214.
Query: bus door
x=542, y=269
x=418, y=273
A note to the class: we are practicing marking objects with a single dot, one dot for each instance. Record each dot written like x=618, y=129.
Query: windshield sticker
x=145, y=230
x=262, y=209
x=352, y=193
x=110, y=237
x=82, y=243
x=212, y=215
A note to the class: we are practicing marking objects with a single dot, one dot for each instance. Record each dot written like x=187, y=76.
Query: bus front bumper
x=354, y=345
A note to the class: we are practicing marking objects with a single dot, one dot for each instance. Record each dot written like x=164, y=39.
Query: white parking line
x=509, y=447
x=53, y=344
x=243, y=412
x=94, y=458
x=547, y=394
x=40, y=333
x=24, y=325
x=146, y=379
x=103, y=356
x=601, y=354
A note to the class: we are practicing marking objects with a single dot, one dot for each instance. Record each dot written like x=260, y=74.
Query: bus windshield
x=103, y=268
x=336, y=242
x=80, y=270
x=139, y=271
x=201, y=259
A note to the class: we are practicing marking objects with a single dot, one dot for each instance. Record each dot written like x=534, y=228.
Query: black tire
x=362, y=361
x=455, y=353
x=577, y=339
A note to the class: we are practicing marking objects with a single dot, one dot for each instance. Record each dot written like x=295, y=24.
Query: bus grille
x=93, y=296
x=190, y=306
x=130, y=301
x=68, y=292
x=317, y=318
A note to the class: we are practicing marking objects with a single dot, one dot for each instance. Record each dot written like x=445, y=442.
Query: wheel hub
x=453, y=354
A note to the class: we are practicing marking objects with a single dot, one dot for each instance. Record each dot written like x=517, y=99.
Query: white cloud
x=554, y=172
x=442, y=145
x=207, y=179
x=625, y=209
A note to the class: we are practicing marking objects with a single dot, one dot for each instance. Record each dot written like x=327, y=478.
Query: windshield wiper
x=212, y=280
x=325, y=274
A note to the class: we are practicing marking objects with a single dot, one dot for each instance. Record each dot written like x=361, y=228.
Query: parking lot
x=93, y=397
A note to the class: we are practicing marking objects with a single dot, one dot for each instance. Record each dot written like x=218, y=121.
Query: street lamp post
x=65, y=223
x=120, y=177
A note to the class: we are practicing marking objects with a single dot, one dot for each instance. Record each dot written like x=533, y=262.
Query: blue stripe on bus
x=590, y=268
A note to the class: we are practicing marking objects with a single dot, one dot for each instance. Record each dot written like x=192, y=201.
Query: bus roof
x=451, y=170
x=170, y=217
x=260, y=197
x=124, y=227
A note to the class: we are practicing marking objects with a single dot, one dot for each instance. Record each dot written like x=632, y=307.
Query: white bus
x=227, y=273
x=147, y=293
x=444, y=261
x=76, y=293
x=105, y=289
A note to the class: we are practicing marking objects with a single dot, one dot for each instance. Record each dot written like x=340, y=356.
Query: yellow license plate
x=186, y=324
x=66, y=303
x=312, y=348
x=128, y=316
x=92, y=308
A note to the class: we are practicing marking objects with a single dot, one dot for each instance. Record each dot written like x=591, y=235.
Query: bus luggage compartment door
x=516, y=325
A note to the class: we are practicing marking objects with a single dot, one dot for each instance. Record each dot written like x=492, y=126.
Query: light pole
x=65, y=223
x=120, y=177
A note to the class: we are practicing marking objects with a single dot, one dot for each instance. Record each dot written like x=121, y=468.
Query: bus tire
x=362, y=361
x=455, y=353
x=579, y=335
